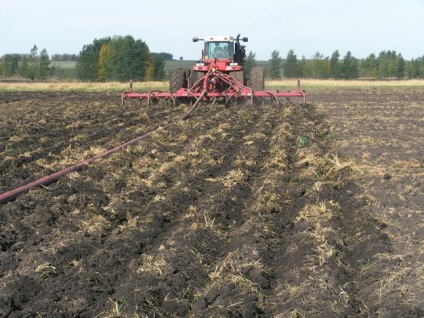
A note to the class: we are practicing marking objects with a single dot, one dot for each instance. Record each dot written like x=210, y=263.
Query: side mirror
x=195, y=39
x=245, y=39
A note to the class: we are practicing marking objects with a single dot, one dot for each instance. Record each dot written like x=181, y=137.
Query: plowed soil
x=244, y=211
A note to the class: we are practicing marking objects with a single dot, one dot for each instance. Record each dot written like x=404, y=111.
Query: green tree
x=415, y=68
x=350, y=69
x=274, y=65
x=9, y=64
x=390, y=64
x=303, y=66
x=386, y=66
x=43, y=66
x=158, y=67
x=33, y=63
x=130, y=59
x=23, y=68
x=166, y=56
x=104, y=64
x=87, y=63
x=321, y=66
x=420, y=65
x=317, y=67
x=5, y=68
x=369, y=67
x=400, y=67
x=335, y=67
x=291, y=67
x=249, y=63
x=64, y=57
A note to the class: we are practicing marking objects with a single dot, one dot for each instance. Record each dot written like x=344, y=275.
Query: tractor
x=217, y=76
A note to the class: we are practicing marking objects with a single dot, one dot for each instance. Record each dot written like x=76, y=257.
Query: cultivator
x=219, y=87
x=219, y=77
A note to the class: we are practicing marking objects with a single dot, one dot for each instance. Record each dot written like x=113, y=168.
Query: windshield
x=219, y=50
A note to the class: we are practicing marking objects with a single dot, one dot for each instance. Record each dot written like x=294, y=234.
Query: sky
x=362, y=27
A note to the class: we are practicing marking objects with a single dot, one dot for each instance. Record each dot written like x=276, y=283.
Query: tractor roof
x=218, y=38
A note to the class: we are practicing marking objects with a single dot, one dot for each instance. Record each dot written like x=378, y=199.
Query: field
x=243, y=211
x=65, y=69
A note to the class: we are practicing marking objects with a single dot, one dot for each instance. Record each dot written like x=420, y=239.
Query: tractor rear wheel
x=257, y=79
x=195, y=76
x=238, y=76
x=178, y=79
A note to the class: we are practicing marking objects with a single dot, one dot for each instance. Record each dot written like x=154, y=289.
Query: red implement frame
x=218, y=86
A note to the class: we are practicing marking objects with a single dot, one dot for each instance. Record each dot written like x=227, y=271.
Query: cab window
x=219, y=50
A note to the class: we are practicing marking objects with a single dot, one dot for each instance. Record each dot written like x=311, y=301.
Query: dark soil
x=243, y=211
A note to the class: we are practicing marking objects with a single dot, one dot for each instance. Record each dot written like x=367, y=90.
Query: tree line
x=32, y=66
x=108, y=59
x=64, y=57
x=121, y=58
x=387, y=65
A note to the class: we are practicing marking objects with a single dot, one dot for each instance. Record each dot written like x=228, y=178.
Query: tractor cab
x=221, y=50
x=225, y=52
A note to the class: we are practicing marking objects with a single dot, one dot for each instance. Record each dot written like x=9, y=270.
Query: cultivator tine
x=156, y=95
x=150, y=96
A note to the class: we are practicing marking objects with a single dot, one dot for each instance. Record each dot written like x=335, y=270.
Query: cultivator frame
x=219, y=87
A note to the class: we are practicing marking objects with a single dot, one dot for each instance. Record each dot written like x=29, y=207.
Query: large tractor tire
x=178, y=79
x=238, y=76
x=257, y=79
x=195, y=76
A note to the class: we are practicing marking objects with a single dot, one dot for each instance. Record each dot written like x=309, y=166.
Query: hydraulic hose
x=13, y=194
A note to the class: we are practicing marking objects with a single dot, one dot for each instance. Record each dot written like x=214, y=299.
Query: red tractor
x=218, y=76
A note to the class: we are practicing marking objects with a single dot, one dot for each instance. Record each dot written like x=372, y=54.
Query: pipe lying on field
x=13, y=194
